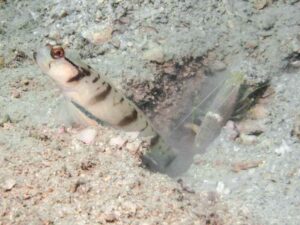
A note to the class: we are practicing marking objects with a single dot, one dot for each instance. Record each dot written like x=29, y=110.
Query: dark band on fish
x=88, y=114
x=118, y=101
x=95, y=79
x=129, y=119
x=85, y=71
x=102, y=95
x=78, y=77
x=82, y=72
x=73, y=64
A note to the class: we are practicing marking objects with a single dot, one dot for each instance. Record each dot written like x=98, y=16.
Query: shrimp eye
x=57, y=52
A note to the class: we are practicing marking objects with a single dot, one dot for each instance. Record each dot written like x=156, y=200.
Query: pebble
x=118, y=141
x=221, y=189
x=110, y=218
x=217, y=66
x=154, y=54
x=116, y=43
x=130, y=208
x=247, y=139
x=251, y=44
x=246, y=165
x=87, y=135
x=15, y=94
x=100, y=36
x=54, y=34
x=295, y=44
x=99, y=16
x=148, y=29
x=283, y=148
x=231, y=131
x=129, y=44
x=267, y=23
x=133, y=146
x=260, y=4
x=250, y=127
x=8, y=184
x=63, y=13
x=5, y=119
x=295, y=64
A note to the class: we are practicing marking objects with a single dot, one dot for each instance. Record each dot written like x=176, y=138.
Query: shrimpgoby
x=95, y=100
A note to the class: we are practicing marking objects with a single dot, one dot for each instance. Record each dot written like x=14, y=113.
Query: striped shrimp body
x=97, y=101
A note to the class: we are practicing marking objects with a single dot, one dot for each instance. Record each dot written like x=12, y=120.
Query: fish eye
x=57, y=52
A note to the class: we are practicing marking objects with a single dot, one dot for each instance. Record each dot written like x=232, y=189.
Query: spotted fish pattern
x=97, y=101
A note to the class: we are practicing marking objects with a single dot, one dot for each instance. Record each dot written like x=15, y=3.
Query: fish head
x=53, y=62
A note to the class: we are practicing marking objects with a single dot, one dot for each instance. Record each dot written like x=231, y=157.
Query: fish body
x=97, y=101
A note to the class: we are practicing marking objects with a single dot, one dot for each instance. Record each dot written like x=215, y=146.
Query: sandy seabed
x=47, y=176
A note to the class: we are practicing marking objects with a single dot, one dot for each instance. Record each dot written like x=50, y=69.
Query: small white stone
x=8, y=184
x=226, y=191
x=283, y=148
x=250, y=126
x=100, y=35
x=87, y=135
x=154, y=54
x=118, y=141
x=236, y=149
x=217, y=66
x=133, y=146
x=295, y=63
x=133, y=135
x=129, y=44
x=220, y=187
x=247, y=139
